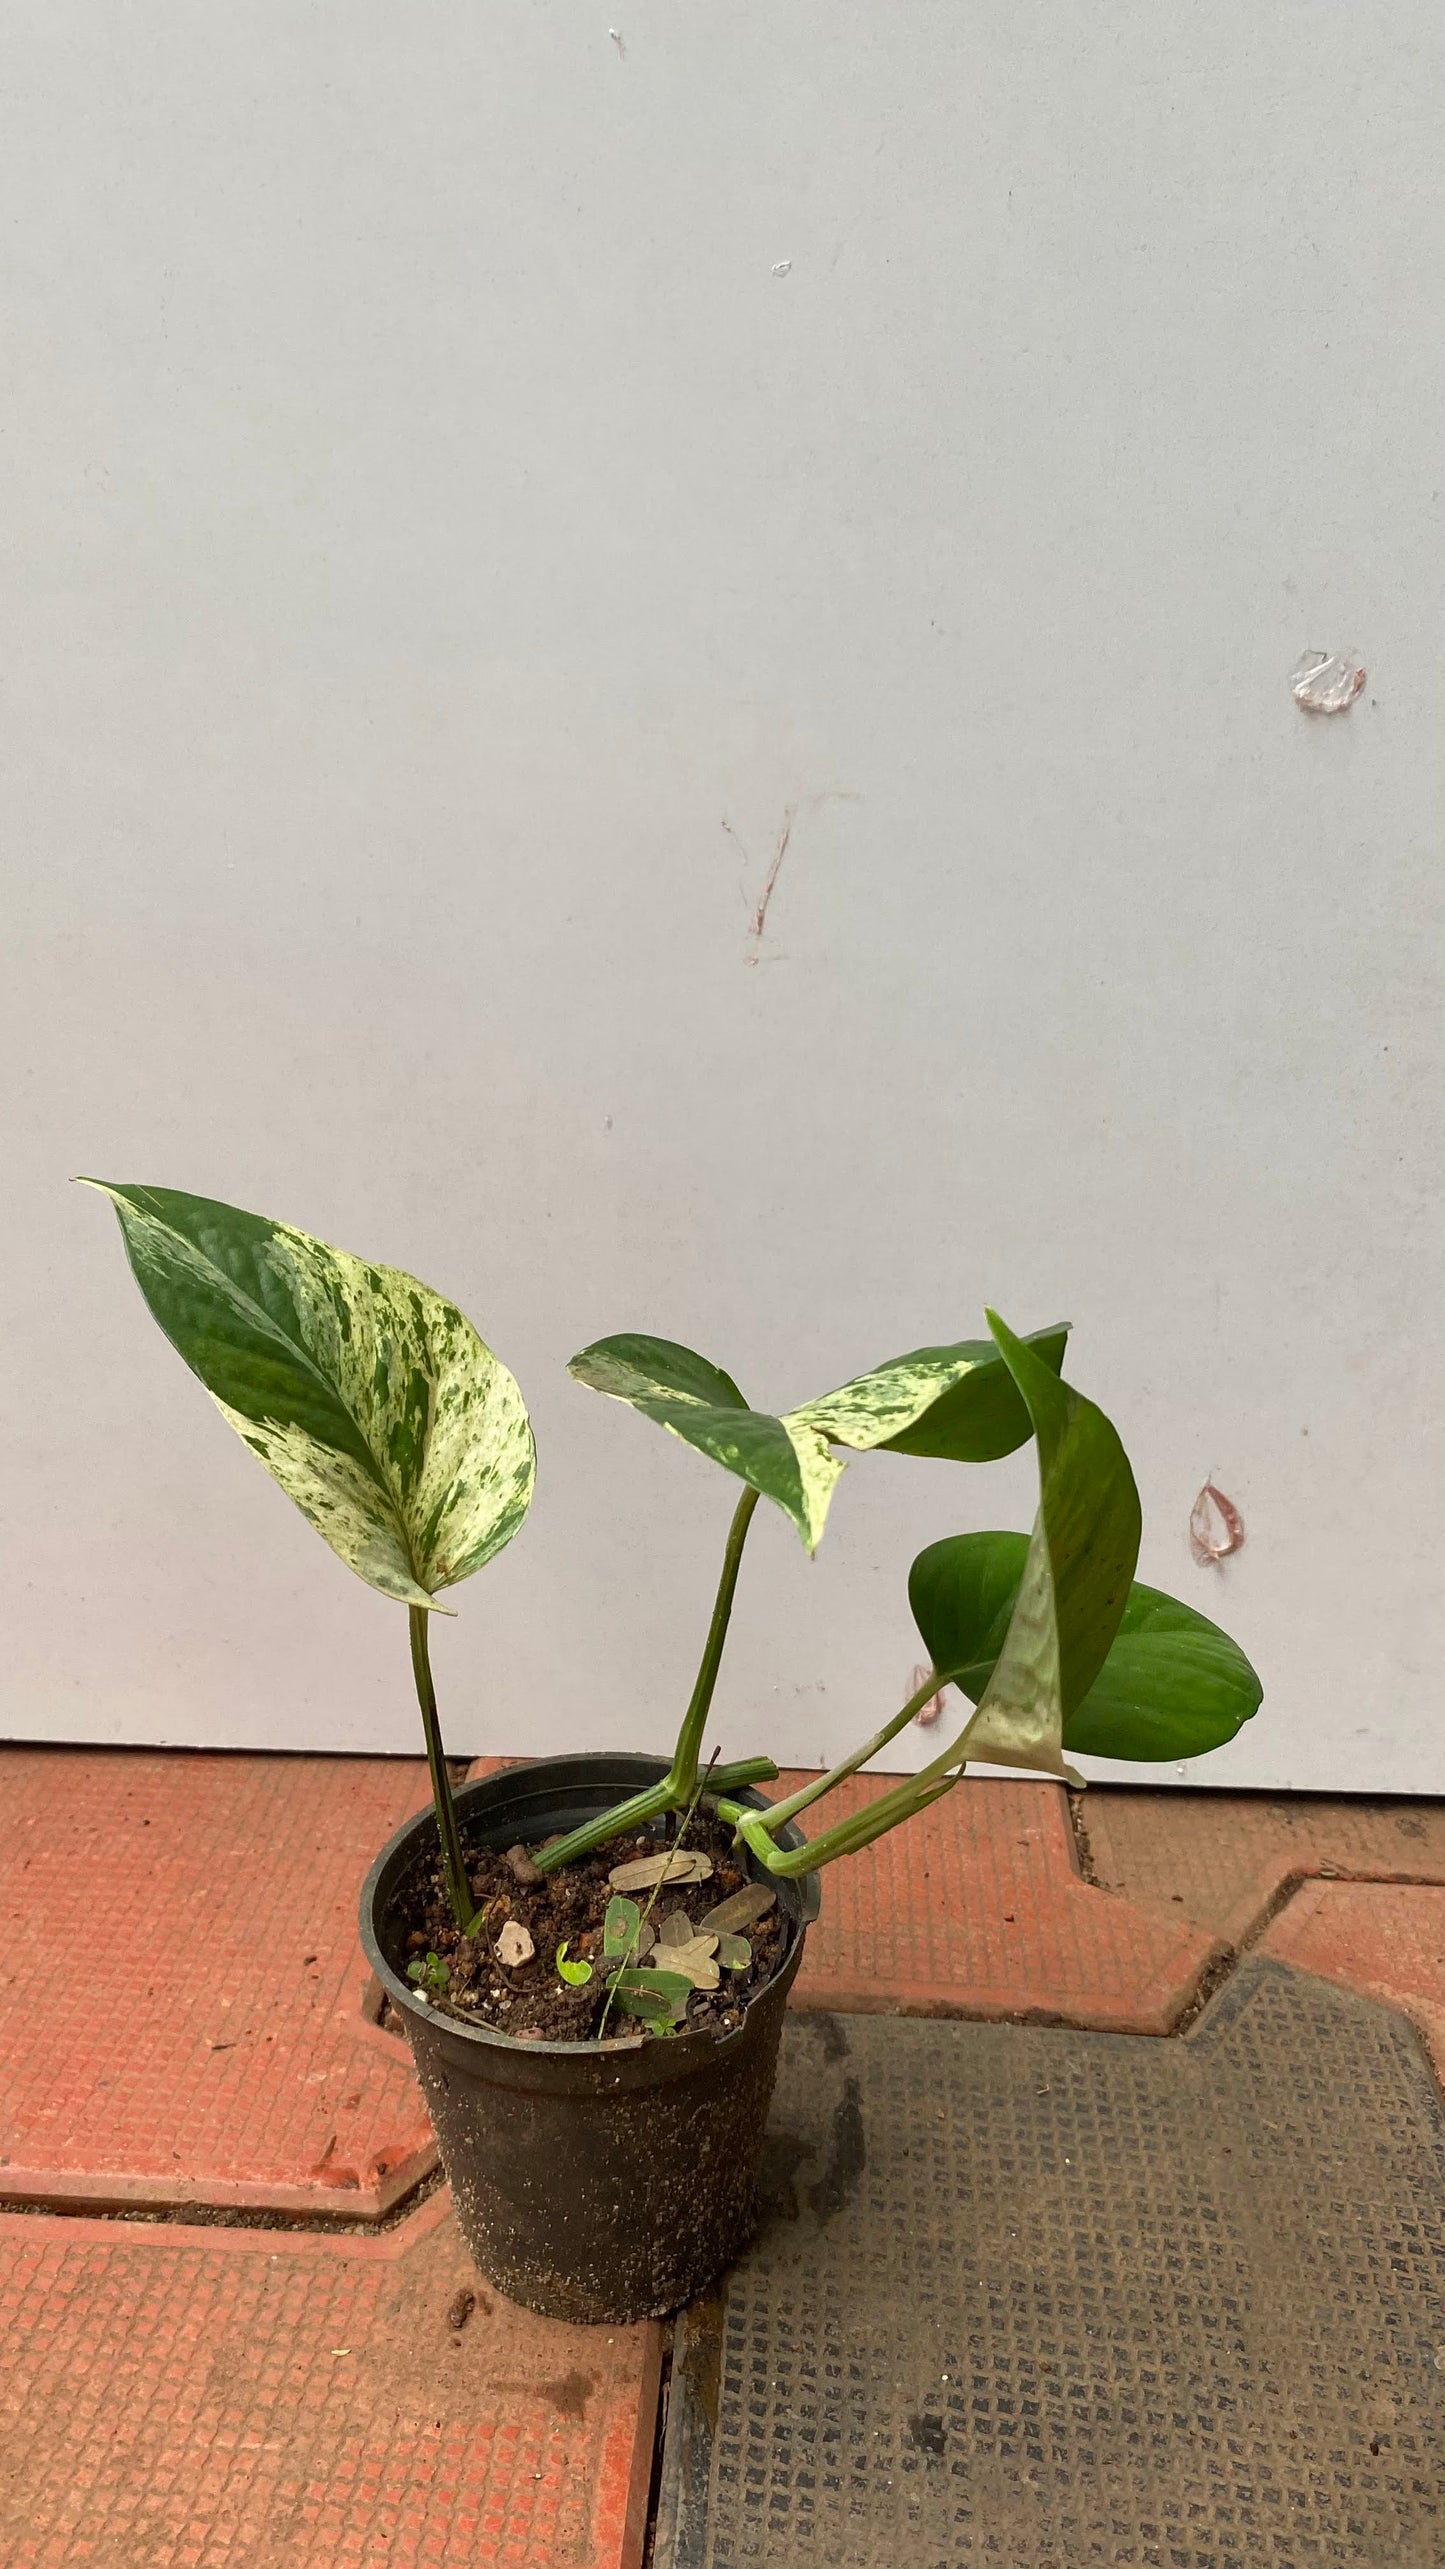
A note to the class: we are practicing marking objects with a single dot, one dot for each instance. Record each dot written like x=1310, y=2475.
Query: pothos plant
x=405, y=1442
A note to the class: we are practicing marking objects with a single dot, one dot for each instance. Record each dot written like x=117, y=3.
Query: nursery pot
x=592, y=2181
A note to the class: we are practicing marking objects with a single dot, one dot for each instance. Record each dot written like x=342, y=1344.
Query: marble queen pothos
x=405, y=1442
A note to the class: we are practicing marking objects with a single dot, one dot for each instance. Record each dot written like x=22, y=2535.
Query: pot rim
x=488, y=2037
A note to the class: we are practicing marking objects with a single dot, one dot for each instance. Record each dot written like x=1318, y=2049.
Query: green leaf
x=646, y=2003
x=436, y=1973
x=576, y=1974
x=1173, y=1685
x=693, y=1400
x=369, y=1398
x=671, y=1985
x=959, y=1402
x=1075, y=1576
x=621, y=1928
x=962, y=1592
x=644, y=1991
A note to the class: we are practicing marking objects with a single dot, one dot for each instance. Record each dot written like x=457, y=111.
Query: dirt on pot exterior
x=531, y=2001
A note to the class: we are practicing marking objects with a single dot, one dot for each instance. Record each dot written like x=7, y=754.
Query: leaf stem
x=904, y=1803
x=779, y=1813
x=453, y=1865
x=634, y=1813
x=631, y=1954
x=675, y=1790
x=905, y=1800
x=683, y=1773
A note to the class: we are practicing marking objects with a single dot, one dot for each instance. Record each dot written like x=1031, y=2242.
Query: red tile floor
x=176, y=2398
x=261, y=2086
x=265, y=2398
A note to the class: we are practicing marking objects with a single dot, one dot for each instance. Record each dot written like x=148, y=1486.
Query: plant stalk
x=779, y=1813
x=683, y=1774
x=631, y=1954
x=459, y=1890
x=850, y=1835
x=678, y=1785
x=642, y=1807
x=905, y=1800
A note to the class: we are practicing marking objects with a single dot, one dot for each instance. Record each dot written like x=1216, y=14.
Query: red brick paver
x=978, y=1908
x=174, y=2399
x=1224, y=1859
x=180, y=1983
x=1384, y=1938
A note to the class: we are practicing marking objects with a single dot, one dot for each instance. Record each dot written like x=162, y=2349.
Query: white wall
x=441, y=543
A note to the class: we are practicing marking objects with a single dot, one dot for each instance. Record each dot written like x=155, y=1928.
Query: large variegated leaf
x=371, y=1399
x=958, y=1402
x=1074, y=1580
x=1173, y=1684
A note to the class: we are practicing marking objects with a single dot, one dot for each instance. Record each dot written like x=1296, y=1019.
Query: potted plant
x=592, y=1954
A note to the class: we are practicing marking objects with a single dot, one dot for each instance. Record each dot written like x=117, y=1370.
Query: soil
x=530, y=2001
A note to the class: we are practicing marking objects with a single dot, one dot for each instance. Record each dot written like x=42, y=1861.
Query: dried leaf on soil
x=673, y=1864
x=695, y=1958
x=743, y=1910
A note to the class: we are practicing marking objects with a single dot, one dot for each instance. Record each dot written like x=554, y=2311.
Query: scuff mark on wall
x=758, y=909
x=759, y=919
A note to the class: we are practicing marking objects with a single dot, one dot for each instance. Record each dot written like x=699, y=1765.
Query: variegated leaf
x=957, y=1402
x=1076, y=1574
x=695, y=1401
x=371, y=1400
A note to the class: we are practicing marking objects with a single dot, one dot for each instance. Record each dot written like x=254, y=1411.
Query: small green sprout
x=621, y=1929
x=433, y=1973
x=576, y=1974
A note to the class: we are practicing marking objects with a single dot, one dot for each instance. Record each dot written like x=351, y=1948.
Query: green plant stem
x=744, y=1770
x=676, y=1788
x=849, y=1835
x=914, y=1794
x=642, y=1807
x=683, y=1774
x=779, y=1813
x=459, y=1890
x=622, y=1818
x=631, y=1954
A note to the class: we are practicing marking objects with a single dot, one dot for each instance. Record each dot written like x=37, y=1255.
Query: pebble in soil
x=529, y=2000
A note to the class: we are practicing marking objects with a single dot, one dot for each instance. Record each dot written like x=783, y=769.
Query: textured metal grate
x=1037, y=2297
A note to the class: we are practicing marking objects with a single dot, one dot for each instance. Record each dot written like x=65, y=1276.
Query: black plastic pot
x=592, y=2181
